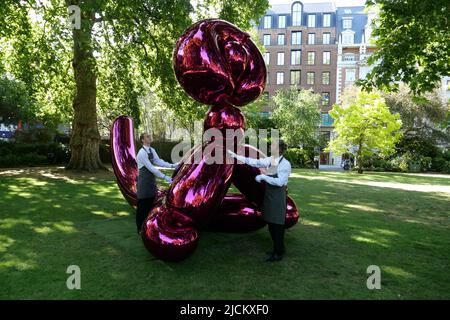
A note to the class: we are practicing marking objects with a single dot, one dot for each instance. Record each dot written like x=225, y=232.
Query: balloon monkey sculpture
x=218, y=65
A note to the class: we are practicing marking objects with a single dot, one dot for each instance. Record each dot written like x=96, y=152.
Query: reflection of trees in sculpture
x=217, y=64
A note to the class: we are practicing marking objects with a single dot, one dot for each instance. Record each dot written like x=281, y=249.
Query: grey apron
x=274, y=205
x=146, y=184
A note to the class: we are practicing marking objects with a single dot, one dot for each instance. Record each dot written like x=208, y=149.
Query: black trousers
x=143, y=209
x=277, y=234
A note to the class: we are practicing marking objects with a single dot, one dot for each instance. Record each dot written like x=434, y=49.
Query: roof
x=307, y=7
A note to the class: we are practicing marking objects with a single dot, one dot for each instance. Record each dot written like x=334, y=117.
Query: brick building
x=318, y=46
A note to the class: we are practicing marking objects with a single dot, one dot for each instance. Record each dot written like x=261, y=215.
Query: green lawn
x=50, y=219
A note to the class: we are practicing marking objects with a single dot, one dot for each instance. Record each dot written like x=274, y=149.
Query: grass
x=50, y=219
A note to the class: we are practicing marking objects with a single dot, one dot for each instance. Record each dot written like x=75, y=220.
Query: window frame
x=299, y=52
x=279, y=54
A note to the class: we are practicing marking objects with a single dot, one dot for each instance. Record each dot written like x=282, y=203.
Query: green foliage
x=300, y=158
x=14, y=101
x=416, y=145
x=412, y=44
x=424, y=116
x=297, y=115
x=254, y=116
x=32, y=154
x=133, y=43
x=364, y=126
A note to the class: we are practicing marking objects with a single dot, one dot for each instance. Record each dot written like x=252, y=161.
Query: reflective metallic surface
x=198, y=188
x=218, y=64
x=244, y=176
x=168, y=234
x=123, y=157
x=236, y=214
x=291, y=213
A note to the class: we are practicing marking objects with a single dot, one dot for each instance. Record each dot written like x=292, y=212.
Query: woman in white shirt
x=274, y=205
x=146, y=184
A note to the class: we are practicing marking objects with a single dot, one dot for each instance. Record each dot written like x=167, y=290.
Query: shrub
x=29, y=154
x=300, y=158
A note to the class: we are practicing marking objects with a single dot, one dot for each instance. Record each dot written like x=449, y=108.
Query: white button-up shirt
x=142, y=160
x=283, y=168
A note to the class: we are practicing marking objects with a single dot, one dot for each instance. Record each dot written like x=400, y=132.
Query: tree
x=412, y=43
x=297, y=115
x=364, y=127
x=14, y=102
x=422, y=116
x=121, y=49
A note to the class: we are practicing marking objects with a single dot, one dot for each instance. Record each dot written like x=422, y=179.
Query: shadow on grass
x=48, y=224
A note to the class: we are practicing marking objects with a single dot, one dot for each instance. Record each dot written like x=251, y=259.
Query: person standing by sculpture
x=146, y=184
x=274, y=205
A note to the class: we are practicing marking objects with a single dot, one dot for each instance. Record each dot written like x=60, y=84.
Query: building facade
x=316, y=46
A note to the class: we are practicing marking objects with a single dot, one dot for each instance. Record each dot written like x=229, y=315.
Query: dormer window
x=282, y=22
x=297, y=14
x=311, y=20
x=267, y=22
x=347, y=23
x=326, y=20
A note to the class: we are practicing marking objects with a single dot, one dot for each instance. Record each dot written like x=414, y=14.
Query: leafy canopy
x=364, y=126
x=413, y=44
x=297, y=115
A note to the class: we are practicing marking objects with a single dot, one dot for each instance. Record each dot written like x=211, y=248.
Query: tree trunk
x=358, y=156
x=85, y=137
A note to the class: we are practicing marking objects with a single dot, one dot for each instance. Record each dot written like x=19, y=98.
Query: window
x=347, y=38
x=326, y=78
x=282, y=22
x=281, y=40
x=280, y=77
x=349, y=57
x=267, y=22
x=311, y=20
x=296, y=14
x=310, y=78
x=326, y=20
x=311, y=57
x=311, y=38
x=296, y=57
x=280, y=58
x=266, y=39
x=267, y=58
x=326, y=38
x=295, y=77
x=325, y=98
x=350, y=75
x=326, y=57
x=296, y=37
x=347, y=23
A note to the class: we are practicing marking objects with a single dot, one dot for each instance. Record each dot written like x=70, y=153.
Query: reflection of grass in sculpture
x=49, y=220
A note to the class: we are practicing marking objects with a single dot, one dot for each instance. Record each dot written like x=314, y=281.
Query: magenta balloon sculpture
x=217, y=64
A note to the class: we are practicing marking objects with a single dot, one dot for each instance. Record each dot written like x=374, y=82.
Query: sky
x=339, y=3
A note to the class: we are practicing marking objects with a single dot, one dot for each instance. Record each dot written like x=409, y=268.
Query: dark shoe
x=274, y=257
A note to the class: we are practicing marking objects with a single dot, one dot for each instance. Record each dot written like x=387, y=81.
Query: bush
x=33, y=154
x=300, y=158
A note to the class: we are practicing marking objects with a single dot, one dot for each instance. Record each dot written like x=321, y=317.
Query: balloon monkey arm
x=142, y=158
